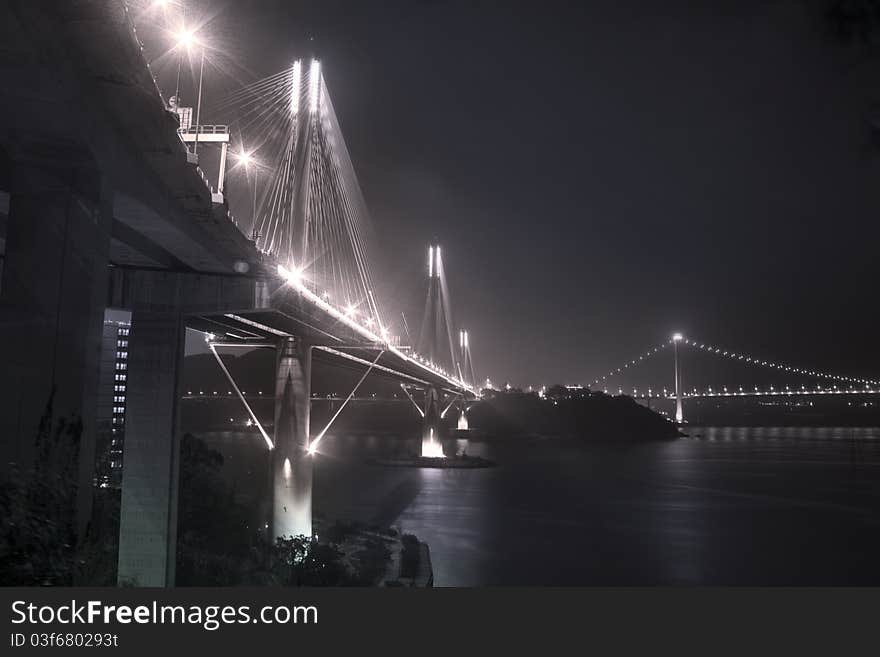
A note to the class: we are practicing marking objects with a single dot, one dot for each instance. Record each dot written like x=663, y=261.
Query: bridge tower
x=431, y=324
x=432, y=328
x=679, y=415
x=291, y=462
x=463, y=374
x=431, y=445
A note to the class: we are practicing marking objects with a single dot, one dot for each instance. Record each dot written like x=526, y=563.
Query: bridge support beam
x=431, y=445
x=291, y=461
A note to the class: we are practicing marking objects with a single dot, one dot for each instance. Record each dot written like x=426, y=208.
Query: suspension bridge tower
x=679, y=415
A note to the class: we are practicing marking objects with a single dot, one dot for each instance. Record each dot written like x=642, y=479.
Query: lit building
x=112, y=385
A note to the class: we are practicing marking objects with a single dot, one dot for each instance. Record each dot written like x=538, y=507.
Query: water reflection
x=738, y=506
x=725, y=506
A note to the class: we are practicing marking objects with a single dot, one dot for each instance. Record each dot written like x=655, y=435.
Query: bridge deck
x=296, y=312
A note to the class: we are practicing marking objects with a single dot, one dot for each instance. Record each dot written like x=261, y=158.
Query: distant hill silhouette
x=584, y=415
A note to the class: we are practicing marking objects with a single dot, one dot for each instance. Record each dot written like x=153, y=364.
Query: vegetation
x=409, y=558
x=219, y=543
x=38, y=534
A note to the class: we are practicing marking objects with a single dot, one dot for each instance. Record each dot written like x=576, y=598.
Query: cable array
x=311, y=215
x=642, y=357
x=782, y=367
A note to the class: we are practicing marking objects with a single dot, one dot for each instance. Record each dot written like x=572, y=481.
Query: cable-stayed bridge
x=109, y=206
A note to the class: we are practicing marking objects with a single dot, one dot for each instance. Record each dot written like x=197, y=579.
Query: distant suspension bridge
x=816, y=382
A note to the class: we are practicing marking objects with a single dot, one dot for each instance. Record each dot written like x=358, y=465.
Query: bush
x=409, y=558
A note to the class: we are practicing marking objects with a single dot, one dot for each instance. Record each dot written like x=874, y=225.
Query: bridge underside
x=290, y=314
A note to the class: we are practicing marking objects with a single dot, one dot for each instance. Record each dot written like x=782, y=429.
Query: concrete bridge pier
x=52, y=304
x=431, y=445
x=462, y=420
x=291, y=461
x=148, y=515
x=161, y=304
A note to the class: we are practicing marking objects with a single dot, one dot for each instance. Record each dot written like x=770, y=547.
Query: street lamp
x=247, y=160
x=186, y=39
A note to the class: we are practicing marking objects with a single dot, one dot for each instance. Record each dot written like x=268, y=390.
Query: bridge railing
x=204, y=130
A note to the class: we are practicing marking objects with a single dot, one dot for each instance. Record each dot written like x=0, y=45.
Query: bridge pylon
x=462, y=421
x=431, y=445
x=291, y=462
x=679, y=414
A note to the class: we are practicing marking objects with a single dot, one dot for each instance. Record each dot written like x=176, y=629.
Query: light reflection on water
x=724, y=506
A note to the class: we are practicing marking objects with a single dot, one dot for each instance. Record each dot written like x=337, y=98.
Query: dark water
x=726, y=506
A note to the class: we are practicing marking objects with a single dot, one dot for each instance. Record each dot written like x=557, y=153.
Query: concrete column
x=52, y=307
x=291, y=462
x=148, y=517
x=431, y=445
x=462, y=421
x=160, y=303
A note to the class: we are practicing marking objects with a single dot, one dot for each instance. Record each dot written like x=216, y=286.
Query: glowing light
x=186, y=39
x=462, y=422
x=294, y=275
x=314, y=87
x=678, y=337
x=245, y=159
x=432, y=448
x=288, y=471
x=294, y=92
x=430, y=262
x=350, y=310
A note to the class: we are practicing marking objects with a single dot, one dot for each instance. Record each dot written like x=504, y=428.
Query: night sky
x=602, y=173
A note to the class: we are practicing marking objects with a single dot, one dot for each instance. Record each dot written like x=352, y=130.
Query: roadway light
x=294, y=275
x=186, y=38
x=246, y=159
x=677, y=337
